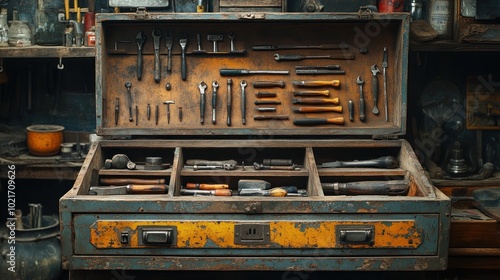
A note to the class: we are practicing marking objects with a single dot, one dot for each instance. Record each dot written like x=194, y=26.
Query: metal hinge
x=365, y=12
x=385, y=137
x=141, y=13
x=251, y=16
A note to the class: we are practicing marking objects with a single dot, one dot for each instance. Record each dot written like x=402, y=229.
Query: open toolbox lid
x=365, y=35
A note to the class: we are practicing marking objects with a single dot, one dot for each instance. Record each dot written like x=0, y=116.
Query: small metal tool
x=215, y=39
x=289, y=47
x=270, y=117
x=168, y=102
x=215, y=86
x=243, y=85
x=362, y=116
x=169, y=43
x=198, y=41
x=202, y=86
x=375, y=71
x=180, y=114
x=261, y=94
x=157, y=114
x=229, y=100
x=117, y=110
x=333, y=83
x=156, y=33
x=312, y=93
x=266, y=109
x=231, y=37
x=267, y=102
x=183, y=43
x=129, y=95
x=148, y=111
x=384, y=72
x=136, y=115
x=350, y=107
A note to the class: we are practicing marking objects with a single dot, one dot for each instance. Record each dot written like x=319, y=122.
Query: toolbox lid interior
x=117, y=56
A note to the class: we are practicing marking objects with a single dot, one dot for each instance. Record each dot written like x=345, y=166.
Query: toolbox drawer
x=299, y=187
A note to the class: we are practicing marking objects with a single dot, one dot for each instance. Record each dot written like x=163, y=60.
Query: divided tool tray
x=251, y=42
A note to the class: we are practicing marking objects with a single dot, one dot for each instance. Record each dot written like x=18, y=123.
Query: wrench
x=243, y=85
x=215, y=86
x=129, y=95
x=157, y=39
x=375, y=71
x=202, y=86
x=169, y=42
x=140, y=38
x=183, y=43
x=231, y=37
x=362, y=116
x=384, y=72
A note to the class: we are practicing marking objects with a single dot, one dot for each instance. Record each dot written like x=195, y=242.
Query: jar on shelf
x=19, y=32
x=4, y=29
x=440, y=17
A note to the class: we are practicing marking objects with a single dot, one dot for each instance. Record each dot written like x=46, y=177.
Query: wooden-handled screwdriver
x=333, y=83
x=217, y=192
x=129, y=189
x=318, y=121
x=194, y=186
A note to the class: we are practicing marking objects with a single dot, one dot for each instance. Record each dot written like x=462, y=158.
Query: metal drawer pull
x=356, y=235
x=157, y=236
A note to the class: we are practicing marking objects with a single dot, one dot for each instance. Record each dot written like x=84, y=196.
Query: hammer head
x=168, y=102
x=253, y=184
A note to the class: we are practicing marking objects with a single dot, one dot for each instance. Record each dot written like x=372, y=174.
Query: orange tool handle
x=334, y=83
x=66, y=9
x=318, y=121
x=313, y=109
x=222, y=192
x=312, y=93
x=194, y=186
x=147, y=189
x=277, y=192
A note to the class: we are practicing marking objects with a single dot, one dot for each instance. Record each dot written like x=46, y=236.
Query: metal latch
x=157, y=236
x=385, y=137
x=141, y=13
x=365, y=12
x=252, y=16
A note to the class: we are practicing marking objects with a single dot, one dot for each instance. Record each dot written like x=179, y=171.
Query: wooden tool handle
x=223, y=192
x=267, y=84
x=314, y=109
x=126, y=181
x=334, y=83
x=195, y=186
x=318, y=121
x=277, y=192
x=312, y=93
x=147, y=189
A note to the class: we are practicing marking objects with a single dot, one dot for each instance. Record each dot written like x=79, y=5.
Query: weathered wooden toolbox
x=303, y=184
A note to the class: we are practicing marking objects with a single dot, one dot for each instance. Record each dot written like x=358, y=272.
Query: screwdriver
x=243, y=72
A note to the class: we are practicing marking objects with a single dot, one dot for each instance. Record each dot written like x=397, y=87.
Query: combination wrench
x=202, y=86
x=215, y=86
x=243, y=85
x=362, y=116
x=157, y=64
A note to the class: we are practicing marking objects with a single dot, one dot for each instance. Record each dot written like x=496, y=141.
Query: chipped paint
x=283, y=234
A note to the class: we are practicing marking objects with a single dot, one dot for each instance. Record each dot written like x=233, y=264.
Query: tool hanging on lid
x=244, y=72
x=290, y=47
x=156, y=34
x=295, y=57
x=140, y=39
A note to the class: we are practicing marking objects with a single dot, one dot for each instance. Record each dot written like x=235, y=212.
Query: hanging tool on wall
x=157, y=62
x=140, y=39
x=129, y=97
x=183, y=42
x=384, y=72
x=202, y=86
x=375, y=71
x=215, y=86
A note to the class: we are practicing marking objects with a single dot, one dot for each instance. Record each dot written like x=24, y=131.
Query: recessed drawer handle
x=356, y=235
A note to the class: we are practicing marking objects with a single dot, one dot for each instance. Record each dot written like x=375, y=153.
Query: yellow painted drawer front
x=107, y=234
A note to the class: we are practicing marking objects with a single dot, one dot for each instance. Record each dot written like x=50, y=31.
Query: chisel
x=194, y=186
x=295, y=57
x=129, y=189
x=318, y=121
x=315, y=100
x=244, y=72
x=318, y=72
x=217, y=192
x=314, y=109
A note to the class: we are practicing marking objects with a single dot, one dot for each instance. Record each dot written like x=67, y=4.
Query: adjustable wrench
x=202, y=86
x=243, y=85
x=157, y=66
x=375, y=71
x=362, y=116
x=183, y=43
x=215, y=86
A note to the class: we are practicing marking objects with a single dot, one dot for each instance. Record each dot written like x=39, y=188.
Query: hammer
x=168, y=102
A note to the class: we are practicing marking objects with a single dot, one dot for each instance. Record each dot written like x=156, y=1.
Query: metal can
x=90, y=38
x=440, y=17
x=390, y=6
